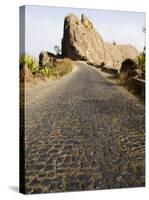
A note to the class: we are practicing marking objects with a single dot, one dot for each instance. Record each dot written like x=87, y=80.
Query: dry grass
x=129, y=84
x=38, y=73
x=126, y=81
x=63, y=67
x=123, y=78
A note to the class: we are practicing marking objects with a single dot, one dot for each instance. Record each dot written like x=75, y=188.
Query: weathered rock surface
x=26, y=75
x=82, y=42
x=108, y=61
x=114, y=55
x=128, y=51
x=46, y=59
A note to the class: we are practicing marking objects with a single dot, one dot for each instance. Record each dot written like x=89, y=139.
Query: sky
x=44, y=27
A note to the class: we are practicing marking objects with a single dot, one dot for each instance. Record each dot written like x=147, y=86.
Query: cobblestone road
x=83, y=133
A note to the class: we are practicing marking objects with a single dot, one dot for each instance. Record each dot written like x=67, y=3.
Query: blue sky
x=44, y=27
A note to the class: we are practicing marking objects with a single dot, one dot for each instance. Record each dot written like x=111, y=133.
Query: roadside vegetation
x=132, y=75
x=29, y=62
x=60, y=68
x=141, y=63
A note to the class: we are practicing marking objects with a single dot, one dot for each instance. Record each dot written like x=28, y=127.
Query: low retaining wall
x=109, y=70
x=138, y=86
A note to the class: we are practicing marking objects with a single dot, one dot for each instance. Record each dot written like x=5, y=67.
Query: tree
x=144, y=30
x=57, y=49
x=144, y=49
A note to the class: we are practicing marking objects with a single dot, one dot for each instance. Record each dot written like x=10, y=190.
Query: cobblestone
x=83, y=133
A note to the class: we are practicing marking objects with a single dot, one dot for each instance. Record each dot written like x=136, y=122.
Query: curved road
x=83, y=132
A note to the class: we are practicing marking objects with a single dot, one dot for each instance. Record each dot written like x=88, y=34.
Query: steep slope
x=81, y=41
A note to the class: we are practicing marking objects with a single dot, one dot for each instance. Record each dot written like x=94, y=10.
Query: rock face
x=82, y=42
x=108, y=61
x=114, y=54
x=128, y=51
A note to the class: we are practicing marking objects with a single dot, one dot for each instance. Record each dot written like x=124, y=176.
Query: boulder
x=81, y=41
x=47, y=59
x=26, y=75
x=130, y=67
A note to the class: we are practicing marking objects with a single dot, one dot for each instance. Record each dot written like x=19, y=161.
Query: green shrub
x=47, y=71
x=141, y=62
x=30, y=62
x=62, y=67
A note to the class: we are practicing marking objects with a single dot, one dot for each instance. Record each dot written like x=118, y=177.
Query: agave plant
x=30, y=62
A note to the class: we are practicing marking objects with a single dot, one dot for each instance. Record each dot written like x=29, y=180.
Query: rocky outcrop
x=128, y=51
x=113, y=54
x=108, y=61
x=82, y=42
x=46, y=59
x=86, y=22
